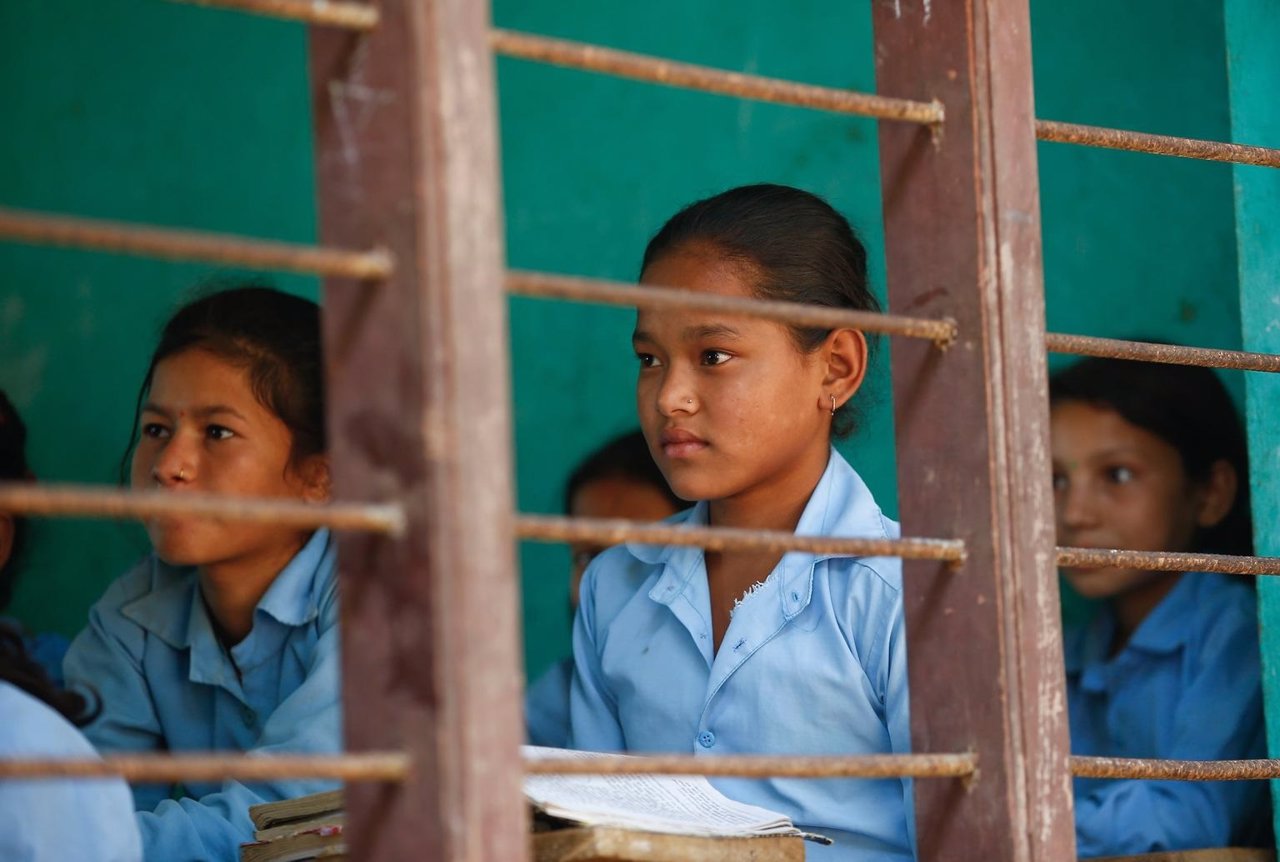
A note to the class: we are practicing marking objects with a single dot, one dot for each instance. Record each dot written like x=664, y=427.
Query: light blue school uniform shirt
x=55, y=820
x=1187, y=686
x=168, y=683
x=813, y=663
x=546, y=706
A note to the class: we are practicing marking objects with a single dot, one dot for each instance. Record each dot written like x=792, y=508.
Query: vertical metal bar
x=407, y=158
x=962, y=236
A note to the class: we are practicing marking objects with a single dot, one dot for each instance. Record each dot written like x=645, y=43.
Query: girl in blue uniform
x=1152, y=457
x=736, y=652
x=54, y=819
x=225, y=638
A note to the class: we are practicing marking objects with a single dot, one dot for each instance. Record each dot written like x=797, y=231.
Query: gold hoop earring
x=833, y=405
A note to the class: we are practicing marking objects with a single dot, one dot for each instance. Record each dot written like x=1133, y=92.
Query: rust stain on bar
x=90, y=501
x=365, y=766
x=321, y=13
x=1167, y=561
x=1175, y=770
x=655, y=70
x=941, y=331
x=1160, y=145
x=863, y=766
x=98, y=235
x=1173, y=354
x=608, y=531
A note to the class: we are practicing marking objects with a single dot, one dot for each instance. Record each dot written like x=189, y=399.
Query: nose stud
x=182, y=474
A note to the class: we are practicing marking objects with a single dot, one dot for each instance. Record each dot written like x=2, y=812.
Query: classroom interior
x=169, y=114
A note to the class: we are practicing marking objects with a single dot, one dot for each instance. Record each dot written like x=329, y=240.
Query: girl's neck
x=1134, y=606
x=233, y=589
x=776, y=505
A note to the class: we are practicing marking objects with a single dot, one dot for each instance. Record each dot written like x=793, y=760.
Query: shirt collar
x=1163, y=631
x=172, y=610
x=841, y=505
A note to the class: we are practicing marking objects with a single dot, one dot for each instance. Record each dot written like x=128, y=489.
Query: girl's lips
x=678, y=443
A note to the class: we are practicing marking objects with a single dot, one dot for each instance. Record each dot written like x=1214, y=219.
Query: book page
x=686, y=805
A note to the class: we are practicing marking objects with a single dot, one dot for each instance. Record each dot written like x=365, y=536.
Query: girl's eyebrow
x=711, y=330
x=199, y=412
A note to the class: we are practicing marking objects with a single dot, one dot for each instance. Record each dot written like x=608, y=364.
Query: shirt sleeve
x=214, y=826
x=593, y=712
x=1218, y=717
x=105, y=662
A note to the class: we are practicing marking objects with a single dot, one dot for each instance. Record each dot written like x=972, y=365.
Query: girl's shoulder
x=34, y=729
x=148, y=578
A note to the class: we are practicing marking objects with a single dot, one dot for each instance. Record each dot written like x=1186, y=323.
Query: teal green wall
x=149, y=111
x=1253, y=32
x=143, y=111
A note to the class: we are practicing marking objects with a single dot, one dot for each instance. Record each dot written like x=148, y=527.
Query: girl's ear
x=845, y=351
x=1217, y=494
x=316, y=480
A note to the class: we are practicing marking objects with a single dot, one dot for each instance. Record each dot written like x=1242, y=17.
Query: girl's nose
x=173, y=465
x=675, y=395
x=1075, y=506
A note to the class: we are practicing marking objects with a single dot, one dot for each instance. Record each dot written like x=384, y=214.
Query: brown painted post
x=419, y=411
x=962, y=237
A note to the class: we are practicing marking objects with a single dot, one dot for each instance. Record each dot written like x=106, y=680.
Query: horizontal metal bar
x=655, y=70
x=1174, y=770
x=73, y=501
x=1172, y=354
x=609, y=531
x=754, y=766
x=159, y=767
x=1161, y=145
x=323, y=13
x=1166, y=561
x=110, y=236
x=549, y=286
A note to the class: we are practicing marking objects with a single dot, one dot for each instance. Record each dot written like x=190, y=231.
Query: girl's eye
x=1059, y=482
x=1119, y=475
x=154, y=430
x=219, y=432
x=647, y=360
x=714, y=357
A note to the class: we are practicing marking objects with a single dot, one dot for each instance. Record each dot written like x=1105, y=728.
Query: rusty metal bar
x=754, y=766
x=1160, y=145
x=420, y=410
x=1166, y=561
x=319, y=13
x=147, y=241
x=366, y=766
x=1174, y=770
x=941, y=331
x=655, y=70
x=609, y=531
x=984, y=645
x=75, y=501
x=1173, y=354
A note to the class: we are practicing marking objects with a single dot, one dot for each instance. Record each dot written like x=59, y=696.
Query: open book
x=673, y=804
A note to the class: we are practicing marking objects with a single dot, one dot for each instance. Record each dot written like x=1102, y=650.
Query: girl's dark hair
x=794, y=246
x=1188, y=408
x=20, y=670
x=625, y=457
x=274, y=336
x=13, y=467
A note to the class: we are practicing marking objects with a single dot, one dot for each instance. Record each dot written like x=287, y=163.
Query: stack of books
x=309, y=827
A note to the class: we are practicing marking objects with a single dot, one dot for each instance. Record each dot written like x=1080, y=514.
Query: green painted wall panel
x=1253, y=32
